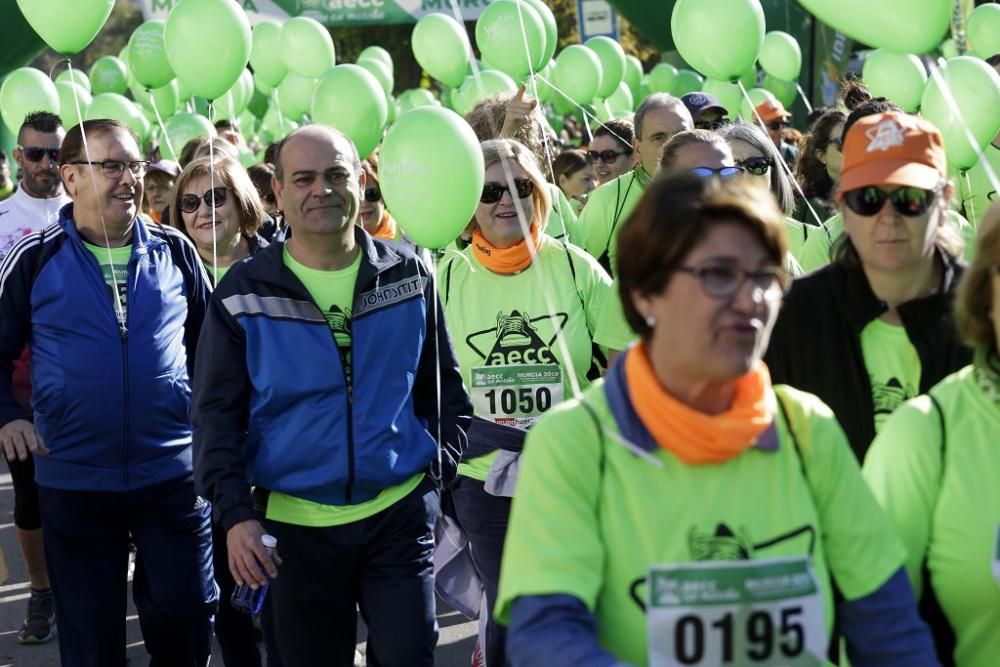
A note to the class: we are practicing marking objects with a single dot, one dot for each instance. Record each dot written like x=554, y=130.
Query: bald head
x=317, y=135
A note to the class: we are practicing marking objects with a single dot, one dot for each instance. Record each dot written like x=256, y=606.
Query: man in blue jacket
x=111, y=310
x=326, y=379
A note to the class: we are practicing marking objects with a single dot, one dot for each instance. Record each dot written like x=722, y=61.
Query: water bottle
x=246, y=599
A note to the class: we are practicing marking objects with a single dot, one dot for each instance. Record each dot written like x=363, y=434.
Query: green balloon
x=350, y=98
x=378, y=53
x=546, y=93
x=749, y=78
x=183, y=92
x=511, y=35
x=728, y=94
x=633, y=73
x=380, y=71
x=686, y=82
x=551, y=30
x=67, y=102
x=563, y=105
x=208, y=44
x=983, y=30
x=118, y=107
x=393, y=110
x=663, y=78
x=75, y=76
x=441, y=48
x=108, y=75
x=896, y=76
x=758, y=96
x=719, y=38
x=975, y=92
x=265, y=55
x=306, y=47
x=784, y=91
x=780, y=56
x=258, y=104
x=577, y=73
x=232, y=104
x=262, y=87
x=416, y=97
x=949, y=49
x=613, y=62
x=643, y=91
x=431, y=173
x=147, y=55
x=295, y=95
x=182, y=128
x=166, y=99
x=23, y=91
x=276, y=125
x=901, y=26
x=68, y=26
x=621, y=102
x=490, y=82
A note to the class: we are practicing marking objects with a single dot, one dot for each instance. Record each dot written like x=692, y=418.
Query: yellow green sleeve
x=613, y=331
x=595, y=220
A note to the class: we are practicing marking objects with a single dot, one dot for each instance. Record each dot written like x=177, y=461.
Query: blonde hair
x=974, y=299
x=232, y=175
x=496, y=150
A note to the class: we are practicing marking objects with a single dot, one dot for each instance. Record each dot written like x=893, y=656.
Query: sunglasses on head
x=492, y=192
x=373, y=193
x=607, y=157
x=36, y=153
x=721, y=172
x=778, y=124
x=757, y=166
x=869, y=200
x=215, y=198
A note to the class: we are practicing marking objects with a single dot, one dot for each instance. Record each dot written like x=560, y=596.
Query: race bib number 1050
x=516, y=395
x=758, y=612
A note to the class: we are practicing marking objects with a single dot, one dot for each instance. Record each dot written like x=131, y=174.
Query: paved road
x=454, y=647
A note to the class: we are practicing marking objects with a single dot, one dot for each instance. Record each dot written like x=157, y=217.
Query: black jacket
x=816, y=344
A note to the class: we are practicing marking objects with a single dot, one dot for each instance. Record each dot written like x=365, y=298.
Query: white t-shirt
x=21, y=214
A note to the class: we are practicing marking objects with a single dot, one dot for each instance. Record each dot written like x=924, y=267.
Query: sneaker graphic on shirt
x=518, y=338
x=887, y=397
x=339, y=321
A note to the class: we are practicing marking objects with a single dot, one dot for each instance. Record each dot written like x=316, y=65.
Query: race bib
x=516, y=395
x=756, y=612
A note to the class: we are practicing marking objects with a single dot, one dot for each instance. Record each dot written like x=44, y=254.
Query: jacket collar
x=142, y=240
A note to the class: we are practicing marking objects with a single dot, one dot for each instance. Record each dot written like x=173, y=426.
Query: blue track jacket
x=273, y=408
x=112, y=405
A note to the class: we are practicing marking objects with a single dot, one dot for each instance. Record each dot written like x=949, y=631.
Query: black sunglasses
x=712, y=124
x=757, y=166
x=215, y=198
x=869, y=200
x=373, y=193
x=607, y=157
x=36, y=153
x=721, y=172
x=778, y=124
x=492, y=192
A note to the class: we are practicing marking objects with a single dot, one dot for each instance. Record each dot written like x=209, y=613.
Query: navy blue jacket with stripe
x=273, y=407
x=112, y=405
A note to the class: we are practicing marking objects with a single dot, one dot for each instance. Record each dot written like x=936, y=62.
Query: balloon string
x=805, y=99
x=119, y=309
x=972, y=202
x=781, y=160
x=159, y=120
x=437, y=369
x=586, y=113
x=211, y=180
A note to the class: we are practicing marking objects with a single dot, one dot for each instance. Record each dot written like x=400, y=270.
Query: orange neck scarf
x=692, y=436
x=155, y=216
x=504, y=260
x=386, y=229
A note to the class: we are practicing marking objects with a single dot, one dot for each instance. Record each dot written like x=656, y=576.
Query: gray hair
x=781, y=184
x=658, y=101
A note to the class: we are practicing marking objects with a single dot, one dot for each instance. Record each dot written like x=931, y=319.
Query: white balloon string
x=119, y=308
x=971, y=210
x=159, y=120
x=781, y=161
x=583, y=109
x=437, y=369
x=805, y=98
x=211, y=180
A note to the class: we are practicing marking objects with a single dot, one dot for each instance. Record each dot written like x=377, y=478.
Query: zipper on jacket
x=125, y=384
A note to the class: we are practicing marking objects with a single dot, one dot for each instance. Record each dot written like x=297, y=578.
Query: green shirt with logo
x=606, y=210
x=893, y=367
x=114, y=268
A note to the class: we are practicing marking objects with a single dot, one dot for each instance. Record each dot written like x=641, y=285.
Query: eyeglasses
x=113, y=169
x=492, y=192
x=373, y=193
x=721, y=172
x=721, y=281
x=777, y=124
x=869, y=200
x=214, y=198
x=36, y=153
x=607, y=157
x=757, y=166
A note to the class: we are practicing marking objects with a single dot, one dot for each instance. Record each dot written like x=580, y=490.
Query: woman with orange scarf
x=684, y=511
x=521, y=309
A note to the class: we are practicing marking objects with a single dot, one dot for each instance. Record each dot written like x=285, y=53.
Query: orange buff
x=692, y=436
x=155, y=216
x=505, y=261
x=386, y=228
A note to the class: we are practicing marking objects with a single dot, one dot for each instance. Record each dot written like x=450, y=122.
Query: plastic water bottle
x=245, y=598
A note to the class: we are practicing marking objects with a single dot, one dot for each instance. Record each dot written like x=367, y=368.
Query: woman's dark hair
x=261, y=175
x=568, y=163
x=619, y=129
x=853, y=93
x=809, y=170
x=649, y=251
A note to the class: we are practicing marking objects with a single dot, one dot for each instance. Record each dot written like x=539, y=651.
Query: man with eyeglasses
x=774, y=117
x=111, y=309
x=658, y=118
x=34, y=204
x=327, y=381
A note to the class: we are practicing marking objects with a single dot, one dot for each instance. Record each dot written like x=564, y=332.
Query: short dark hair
x=72, y=144
x=225, y=125
x=618, y=129
x=568, y=163
x=261, y=175
x=40, y=121
x=649, y=252
x=271, y=152
x=670, y=149
x=810, y=172
x=873, y=106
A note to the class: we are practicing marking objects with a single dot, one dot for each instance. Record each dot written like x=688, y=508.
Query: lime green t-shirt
x=606, y=211
x=976, y=189
x=510, y=345
x=948, y=516
x=563, y=224
x=590, y=516
x=893, y=367
x=333, y=292
x=613, y=331
x=217, y=272
x=114, y=268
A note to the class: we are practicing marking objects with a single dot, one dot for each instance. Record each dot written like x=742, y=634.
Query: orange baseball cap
x=772, y=110
x=893, y=148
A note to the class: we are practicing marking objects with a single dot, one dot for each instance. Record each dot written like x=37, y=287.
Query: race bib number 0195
x=758, y=612
x=516, y=395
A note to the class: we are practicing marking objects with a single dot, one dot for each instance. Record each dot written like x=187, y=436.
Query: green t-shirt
x=114, y=268
x=590, y=517
x=607, y=208
x=613, y=331
x=510, y=344
x=893, y=367
x=978, y=192
x=333, y=292
x=217, y=272
x=563, y=224
x=948, y=514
